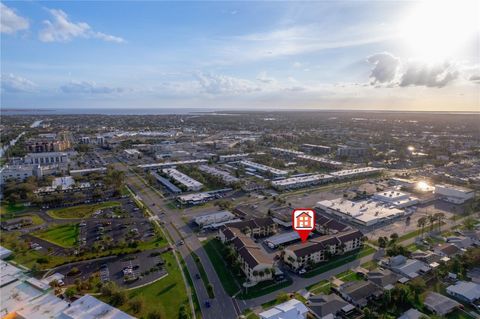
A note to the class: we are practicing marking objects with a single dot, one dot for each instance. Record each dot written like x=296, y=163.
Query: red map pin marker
x=303, y=222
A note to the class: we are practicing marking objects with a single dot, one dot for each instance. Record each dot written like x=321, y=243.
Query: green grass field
x=11, y=209
x=339, y=261
x=321, y=287
x=62, y=235
x=81, y=211
x=165, y=295
x=213, y=249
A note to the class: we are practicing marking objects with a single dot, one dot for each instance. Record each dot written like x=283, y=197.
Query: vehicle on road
x=197, y=276
x=207, y=304
x=302, y=271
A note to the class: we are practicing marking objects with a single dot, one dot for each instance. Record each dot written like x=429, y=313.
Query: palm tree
x=439, y=217
x=431, y=220
x=422, y=221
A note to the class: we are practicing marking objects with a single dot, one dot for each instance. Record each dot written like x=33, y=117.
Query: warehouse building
x=454, y=194
x=396, y=198
x=285, y=152
x=213, y=218
x=165, y=182
x=172, y=164
x=364, y=212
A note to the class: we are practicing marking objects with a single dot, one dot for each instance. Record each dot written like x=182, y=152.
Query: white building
x=47, y=158
x=19, y=172
x=302, y=181
x=88, y=171
x=396, y=198
x=454, y=194
x=232, y=157
x=225, y=176
x=292, y=309
x=172, y=164
x=284, y=151
x=190, y=183
x=132, y=153
x=213, y=218
x=356, y=172
x=325, y=162
x=264, y=168
x=364, y=212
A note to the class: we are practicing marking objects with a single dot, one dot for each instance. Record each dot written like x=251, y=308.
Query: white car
x=302, y=271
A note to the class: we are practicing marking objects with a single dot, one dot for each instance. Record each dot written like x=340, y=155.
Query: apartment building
x=322, y=248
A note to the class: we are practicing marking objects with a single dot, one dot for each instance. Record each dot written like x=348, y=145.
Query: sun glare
x=435, y=30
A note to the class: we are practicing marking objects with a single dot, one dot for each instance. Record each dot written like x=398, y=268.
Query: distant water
x=107, y=111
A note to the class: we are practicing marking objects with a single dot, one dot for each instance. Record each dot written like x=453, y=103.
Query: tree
x=137, y=304
x=440, y=217
x=183, y=313
x=70, y=292
x=421, y=223
x=417, y=286
x=118, y=298
x=381, y=242
x=155, y=314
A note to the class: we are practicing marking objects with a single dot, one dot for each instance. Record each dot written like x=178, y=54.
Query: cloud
x=12, y=83
x=10, y=22
x=390, y=71
x=221, y=84
x=385, y=67
x=429, y=75
x=264, y=78
x=475, y=78
x=84, y=87
x=61, y=29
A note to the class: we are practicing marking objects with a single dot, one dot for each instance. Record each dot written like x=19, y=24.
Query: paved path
x=222, y=305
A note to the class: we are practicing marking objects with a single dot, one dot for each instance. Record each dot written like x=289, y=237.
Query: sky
x=387, y=55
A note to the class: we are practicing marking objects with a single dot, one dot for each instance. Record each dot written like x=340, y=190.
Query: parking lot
x=127, y=271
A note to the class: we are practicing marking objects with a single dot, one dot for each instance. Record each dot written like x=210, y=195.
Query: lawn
x=370, y=265
x=349, y=275
x=81, y=211
x=61, y=235
x=12, y=209
x=322, y=287
x=213, y=249
x=263, y=288
x=165, y=295
x=339, y=261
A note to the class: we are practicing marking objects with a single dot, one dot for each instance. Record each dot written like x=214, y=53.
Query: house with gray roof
x=440, y=304
x=465, y=290
x=325, y=306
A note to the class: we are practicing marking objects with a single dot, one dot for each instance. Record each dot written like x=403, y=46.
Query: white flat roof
x=264, y=168
x=365, y=211
x=89, y=307
x=320, y=160
x=302, y=179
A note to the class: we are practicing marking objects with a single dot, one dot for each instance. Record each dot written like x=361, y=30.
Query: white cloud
x=221, y=84
x=385, y=67
x=475, y=78
x=429, y=75
x=61, y=29
x=390, y=71
x=13, y=83
x=10, y=22
x=84, y=87
x=264, y=78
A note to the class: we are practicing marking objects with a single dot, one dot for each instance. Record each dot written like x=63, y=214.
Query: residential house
x=465, y=290
x=256, y=227
x=292, y=309
x=408, y=268
x=383, y=278
x=412, y=313
x=328, y=306
x=440, y=304
x=447, y=250
x=359, y=292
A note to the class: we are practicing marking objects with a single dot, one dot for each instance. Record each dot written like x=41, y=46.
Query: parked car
x=302, y=271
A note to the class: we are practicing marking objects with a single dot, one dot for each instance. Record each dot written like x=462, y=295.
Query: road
x=222, y=306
